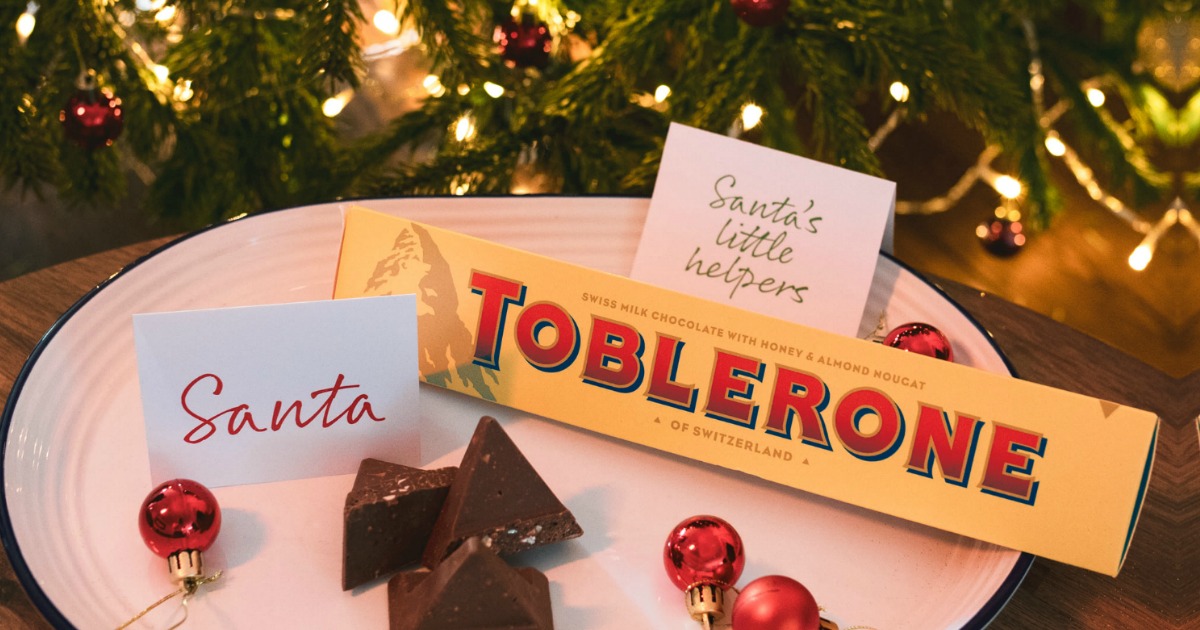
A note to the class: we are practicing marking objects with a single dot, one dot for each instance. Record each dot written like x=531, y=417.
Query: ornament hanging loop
x=86, y=80
x=879, y=333
x=188, y=589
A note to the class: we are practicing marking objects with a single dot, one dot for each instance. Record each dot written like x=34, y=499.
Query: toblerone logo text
x=798, y=407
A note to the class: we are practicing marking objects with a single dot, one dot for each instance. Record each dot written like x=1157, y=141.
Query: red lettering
x=497, y=293
x=207, y=426
x=351, y=412
x=614, y=356
x=241, y=412
x=663, y=387
x=954, y=449
x=532, y=324
x=732, y=387
x=277, y=418
x=847, y=418
x=240, y=416
x=799, y=394
x=1008, y=473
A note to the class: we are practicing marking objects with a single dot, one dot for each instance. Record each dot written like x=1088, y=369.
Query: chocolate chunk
x=389, y=515
x=499, y=497
x=473, y=588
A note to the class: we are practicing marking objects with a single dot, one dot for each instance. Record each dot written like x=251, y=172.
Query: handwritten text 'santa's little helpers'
x=757, y=241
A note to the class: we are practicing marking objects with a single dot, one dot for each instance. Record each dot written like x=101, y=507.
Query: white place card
x=267, y=393
x=764, y=230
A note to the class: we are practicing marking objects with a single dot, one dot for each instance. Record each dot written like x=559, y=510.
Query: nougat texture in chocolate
x=472, y=588
x=389, y=515
x=499, y=497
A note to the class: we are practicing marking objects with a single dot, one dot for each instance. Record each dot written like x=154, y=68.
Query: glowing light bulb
x=386, y=22
x=1007, y=186
x=336, y=103
x=27, y=21
x=433, y=85
x=149, y=5
x=493, y=90
x=160, y=72
x=464, y=128
x=751, y=115
x=899, y=91
x=661, y=93
x=1055, y=146
x=166, y=14
x=183, y=90
x=25, y=25
x=1095, y=97
x=1141, y=257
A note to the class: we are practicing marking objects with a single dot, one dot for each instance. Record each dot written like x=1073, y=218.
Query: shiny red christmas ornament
x=179, y=519
x=703, y=556
x=760, y=13
x=1002, y=237
x=525, y=42
x=775, y=602
x=921, y=338
x=92, y=118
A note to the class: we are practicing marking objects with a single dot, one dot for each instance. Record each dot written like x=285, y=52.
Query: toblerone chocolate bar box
x=991, y=457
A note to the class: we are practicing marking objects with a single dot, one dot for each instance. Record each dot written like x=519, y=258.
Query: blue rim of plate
x=42, y=602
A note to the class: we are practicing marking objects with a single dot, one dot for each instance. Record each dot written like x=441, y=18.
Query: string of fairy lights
x=1144, y=252
x=400, y=39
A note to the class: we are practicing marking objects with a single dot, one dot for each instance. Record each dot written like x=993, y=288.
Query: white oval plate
x=75, y=465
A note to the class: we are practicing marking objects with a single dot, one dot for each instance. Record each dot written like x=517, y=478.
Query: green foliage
x=251, y=136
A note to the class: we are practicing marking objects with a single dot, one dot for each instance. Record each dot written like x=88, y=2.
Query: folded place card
x=1003, y=460
x=266, y=393
x=764, y=230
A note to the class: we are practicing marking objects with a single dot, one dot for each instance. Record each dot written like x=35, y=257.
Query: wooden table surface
x=1158, y=588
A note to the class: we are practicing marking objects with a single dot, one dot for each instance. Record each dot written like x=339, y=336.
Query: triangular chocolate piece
x=389, y=514
x=498, y=496
x=473, y=588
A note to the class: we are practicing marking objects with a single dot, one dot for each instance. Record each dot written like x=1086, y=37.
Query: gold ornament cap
x=186, y=567
x=705, y=603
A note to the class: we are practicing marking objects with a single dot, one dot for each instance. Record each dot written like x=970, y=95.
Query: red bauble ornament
x=703, y=556
x=1002, y=237
x=526, y=42
x=775, y=602
x=178, y=520
x=920, y=338
x=92, y=118
x=760, y=13
x=704, y=550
